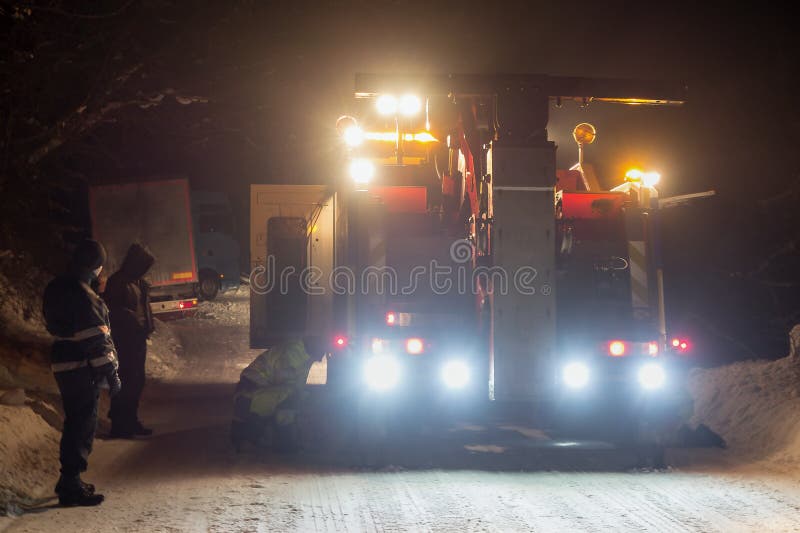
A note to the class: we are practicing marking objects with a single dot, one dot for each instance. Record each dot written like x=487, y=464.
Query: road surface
x=503, y=478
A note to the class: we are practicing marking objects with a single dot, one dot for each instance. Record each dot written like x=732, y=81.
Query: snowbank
x=755, y=406
x=24, y=342
x=28, y=457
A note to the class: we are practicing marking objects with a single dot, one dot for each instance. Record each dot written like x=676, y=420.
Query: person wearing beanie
x=83, y=359
x=127, y=295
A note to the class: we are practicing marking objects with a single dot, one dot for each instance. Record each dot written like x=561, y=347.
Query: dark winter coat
x=79, y=320
x=128, y=297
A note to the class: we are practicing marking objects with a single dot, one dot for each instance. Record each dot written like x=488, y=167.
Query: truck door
x=287, y=248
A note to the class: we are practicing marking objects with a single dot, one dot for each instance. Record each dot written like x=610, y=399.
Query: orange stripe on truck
x=182, y=275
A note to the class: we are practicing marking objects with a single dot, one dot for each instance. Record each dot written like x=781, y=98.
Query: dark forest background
x=239, y=92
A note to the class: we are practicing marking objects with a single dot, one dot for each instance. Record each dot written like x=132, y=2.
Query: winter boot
x=119, y=431
x=139, y=429
x=79, y=498
x=74, y=492
x=63, y=485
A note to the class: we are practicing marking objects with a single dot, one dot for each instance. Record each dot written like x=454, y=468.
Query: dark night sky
x=281, y=75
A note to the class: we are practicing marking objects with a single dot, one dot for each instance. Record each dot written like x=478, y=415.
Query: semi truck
x=190, y=235
x=509, y=280
x=215, y=243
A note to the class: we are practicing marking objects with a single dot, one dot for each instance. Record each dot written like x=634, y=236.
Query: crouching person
x=83, y=360
x=270, y=395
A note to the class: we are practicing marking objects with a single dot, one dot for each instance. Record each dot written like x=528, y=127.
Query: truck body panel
x=292, y=252
x=156, y=214
x=523, y=241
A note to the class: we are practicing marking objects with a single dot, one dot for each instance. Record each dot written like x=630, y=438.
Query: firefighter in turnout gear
x=83, y=360
x=269, y=394
x=128, y=299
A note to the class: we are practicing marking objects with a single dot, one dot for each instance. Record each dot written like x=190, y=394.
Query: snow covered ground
x=186, y=477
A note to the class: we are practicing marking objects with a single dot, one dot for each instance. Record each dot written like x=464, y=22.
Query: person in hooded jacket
x=83, y=360
x=128, y=299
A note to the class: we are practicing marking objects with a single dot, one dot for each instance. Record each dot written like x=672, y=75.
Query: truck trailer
x=158, y=215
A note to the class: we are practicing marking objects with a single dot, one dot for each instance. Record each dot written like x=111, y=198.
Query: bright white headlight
x=652, y=376
x=576, y=375
x=353, y=136
x=386, y=104
x=455, y=374
x=410, y=105
x=362, y=171
x=381, y=372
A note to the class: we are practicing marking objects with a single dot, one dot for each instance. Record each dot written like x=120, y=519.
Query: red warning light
x=616, y=348
x=415, y=346
x=680, y=345
x=340, y=341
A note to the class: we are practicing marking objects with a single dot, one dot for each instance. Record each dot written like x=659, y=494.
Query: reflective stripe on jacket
x=78, y=319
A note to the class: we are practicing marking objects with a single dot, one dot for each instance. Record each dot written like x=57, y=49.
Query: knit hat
x=89, y=254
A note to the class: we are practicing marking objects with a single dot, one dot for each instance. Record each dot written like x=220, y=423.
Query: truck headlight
x=409, y=105
x=381, y=372
x=576, y=375
x=362, y=171
x=455, y=374
x=652, y=376
x=353, y=136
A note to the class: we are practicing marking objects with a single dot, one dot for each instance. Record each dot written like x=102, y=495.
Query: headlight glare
x=353, y=136
x=362, y=171
x=381, y=372
x=410, y=105
x=455, y=374
x=387, y=104
x=652, y=376
x=576, y=375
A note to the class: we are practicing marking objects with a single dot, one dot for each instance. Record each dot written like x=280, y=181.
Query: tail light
x=391, y=318
x=652, y=348
x=187, y=304
x=415, y=346
x=617, y=348
x=680, y=345
x=340, y=341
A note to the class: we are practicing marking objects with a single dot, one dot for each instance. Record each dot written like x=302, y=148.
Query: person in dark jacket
x=128, y=299
x=83, y=360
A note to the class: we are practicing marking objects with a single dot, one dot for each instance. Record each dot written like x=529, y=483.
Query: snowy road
x=186, y=478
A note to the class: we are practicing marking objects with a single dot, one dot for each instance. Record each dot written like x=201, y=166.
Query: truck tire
x=209, y=286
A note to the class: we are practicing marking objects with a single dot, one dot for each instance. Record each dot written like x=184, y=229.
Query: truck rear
x=561, y=301
x=156, y=214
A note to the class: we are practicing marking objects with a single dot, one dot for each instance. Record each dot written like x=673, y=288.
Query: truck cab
x=216, y=246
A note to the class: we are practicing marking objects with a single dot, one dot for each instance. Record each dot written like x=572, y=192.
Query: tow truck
x=455, y=264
